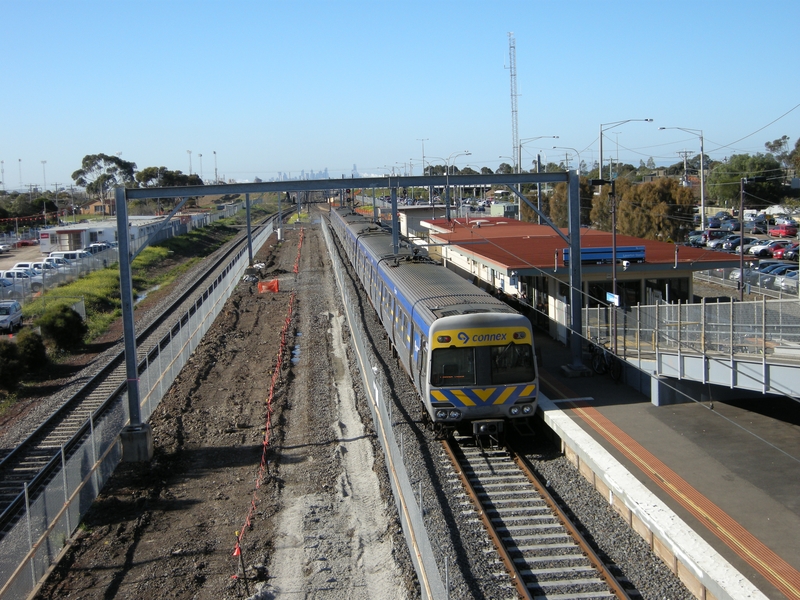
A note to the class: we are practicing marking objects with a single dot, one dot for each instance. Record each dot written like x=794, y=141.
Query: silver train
x=469, y=355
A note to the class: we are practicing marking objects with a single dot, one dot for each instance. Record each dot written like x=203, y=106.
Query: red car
x=783, y=230
x=779, y=252
x=28, y=242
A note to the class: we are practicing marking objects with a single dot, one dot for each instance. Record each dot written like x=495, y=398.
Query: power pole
x=685, y=154
x=512, y=65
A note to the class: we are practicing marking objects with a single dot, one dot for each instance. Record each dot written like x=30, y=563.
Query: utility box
x=507, y=210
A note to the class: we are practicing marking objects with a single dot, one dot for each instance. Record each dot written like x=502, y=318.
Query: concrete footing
x=137, y=443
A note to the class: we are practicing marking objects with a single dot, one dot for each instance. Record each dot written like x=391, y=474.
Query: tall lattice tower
x=512, y=61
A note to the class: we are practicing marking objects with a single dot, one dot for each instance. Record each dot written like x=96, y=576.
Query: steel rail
x=32, y=462
x=522, y=573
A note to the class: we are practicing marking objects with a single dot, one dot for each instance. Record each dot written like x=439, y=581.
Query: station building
x=529, y=262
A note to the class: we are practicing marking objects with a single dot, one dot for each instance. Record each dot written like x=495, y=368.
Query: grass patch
x=6, y=402
x=155, y=266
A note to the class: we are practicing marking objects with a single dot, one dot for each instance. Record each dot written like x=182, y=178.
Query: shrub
x=11, y=368
x=64, y=327
x=31, y=348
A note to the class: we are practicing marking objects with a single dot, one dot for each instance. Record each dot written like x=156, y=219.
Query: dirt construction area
x=232, y=507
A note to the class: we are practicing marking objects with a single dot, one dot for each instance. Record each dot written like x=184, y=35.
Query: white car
x=29, y=281
x=767, y=246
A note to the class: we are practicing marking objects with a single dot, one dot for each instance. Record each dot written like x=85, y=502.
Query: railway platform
x=713, y=486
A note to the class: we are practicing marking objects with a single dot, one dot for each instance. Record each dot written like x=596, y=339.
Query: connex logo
x=463, y=337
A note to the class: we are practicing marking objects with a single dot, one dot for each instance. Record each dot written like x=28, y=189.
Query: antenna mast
x=512, y=59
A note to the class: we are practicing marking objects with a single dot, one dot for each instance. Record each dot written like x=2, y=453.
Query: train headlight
x=443, y=339
x=441, y=414
x=520, y=335
x=455, y=414
x=514, y=411
x=527, y=409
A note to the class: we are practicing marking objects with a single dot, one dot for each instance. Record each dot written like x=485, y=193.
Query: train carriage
x=469, y=355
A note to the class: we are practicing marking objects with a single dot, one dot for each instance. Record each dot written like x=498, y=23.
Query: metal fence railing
x=410, y=512
x=52, y=514
x=766, y=327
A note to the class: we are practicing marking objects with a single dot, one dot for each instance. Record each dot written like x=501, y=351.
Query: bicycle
x=605, y=361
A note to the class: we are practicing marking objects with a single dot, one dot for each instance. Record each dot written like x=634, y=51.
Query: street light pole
x=603, y=127
x=189, y=152
x=200, y=156
x=216, y=179
x=699, y=133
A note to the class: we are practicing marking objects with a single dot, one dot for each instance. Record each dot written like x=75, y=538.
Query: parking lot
x=22, y=254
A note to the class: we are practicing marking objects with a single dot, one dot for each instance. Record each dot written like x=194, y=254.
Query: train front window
x=452, y=367
x=512, y=363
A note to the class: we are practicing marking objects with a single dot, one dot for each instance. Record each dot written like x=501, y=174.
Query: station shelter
x=528, y=263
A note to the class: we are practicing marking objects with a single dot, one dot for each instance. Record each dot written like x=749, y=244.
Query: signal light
x=443, y=339
x=519, y=335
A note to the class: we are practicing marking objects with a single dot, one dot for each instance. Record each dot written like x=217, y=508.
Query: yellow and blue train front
x=483, y=373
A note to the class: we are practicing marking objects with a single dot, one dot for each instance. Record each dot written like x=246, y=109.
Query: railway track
x=544, y=553
x=25, y=469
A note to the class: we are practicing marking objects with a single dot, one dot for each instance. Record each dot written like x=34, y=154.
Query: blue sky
x=307, y=85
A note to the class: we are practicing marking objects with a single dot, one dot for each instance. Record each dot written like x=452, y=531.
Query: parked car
x=791, y=254
x=733, y=245
x=758, y=272
x=768, y=279
x=785, y=221
x=6, y=247
x=767, y=247
x=713, y=222
x=28, y=243
x=717, y=244
x=66, y=267
x=730, y=225
x=787, y=283
x=29, y=281
x=695, y=240
x=11, y=290
x=10, y=315
x=780, y=251
x=712, y=234
x=755, y=227
x=783, y=230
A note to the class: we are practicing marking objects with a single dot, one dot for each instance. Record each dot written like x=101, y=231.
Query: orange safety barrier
x=262, y=469
x=268, y=286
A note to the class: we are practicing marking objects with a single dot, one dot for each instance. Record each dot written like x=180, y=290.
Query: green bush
x=11, y=368
x=31, y=348
x=63, y=327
